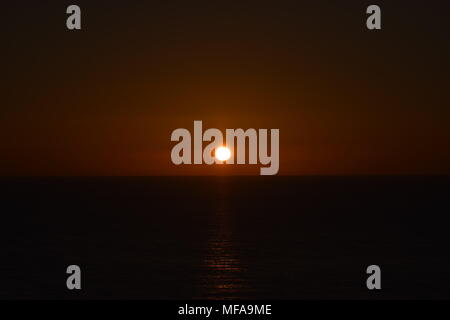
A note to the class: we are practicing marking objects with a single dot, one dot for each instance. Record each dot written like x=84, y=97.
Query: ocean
x=225, y=237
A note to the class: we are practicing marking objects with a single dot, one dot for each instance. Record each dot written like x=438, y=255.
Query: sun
x=223, y=153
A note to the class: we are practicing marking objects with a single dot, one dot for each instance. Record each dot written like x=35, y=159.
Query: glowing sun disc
x=223, y=153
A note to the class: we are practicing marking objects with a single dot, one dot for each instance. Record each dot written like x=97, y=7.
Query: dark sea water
x=225, y=237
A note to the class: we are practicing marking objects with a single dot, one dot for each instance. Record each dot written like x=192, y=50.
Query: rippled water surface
x=225, y=237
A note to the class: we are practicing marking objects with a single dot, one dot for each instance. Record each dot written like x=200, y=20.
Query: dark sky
x=104, y=100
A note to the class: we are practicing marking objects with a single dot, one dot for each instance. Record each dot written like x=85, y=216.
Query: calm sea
x=225, y=237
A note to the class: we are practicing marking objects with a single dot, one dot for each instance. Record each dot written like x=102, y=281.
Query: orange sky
x=104, y=101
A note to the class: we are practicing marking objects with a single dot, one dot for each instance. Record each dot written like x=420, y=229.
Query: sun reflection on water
x=224, y=272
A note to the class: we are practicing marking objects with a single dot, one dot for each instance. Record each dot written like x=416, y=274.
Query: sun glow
x=223, y=153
